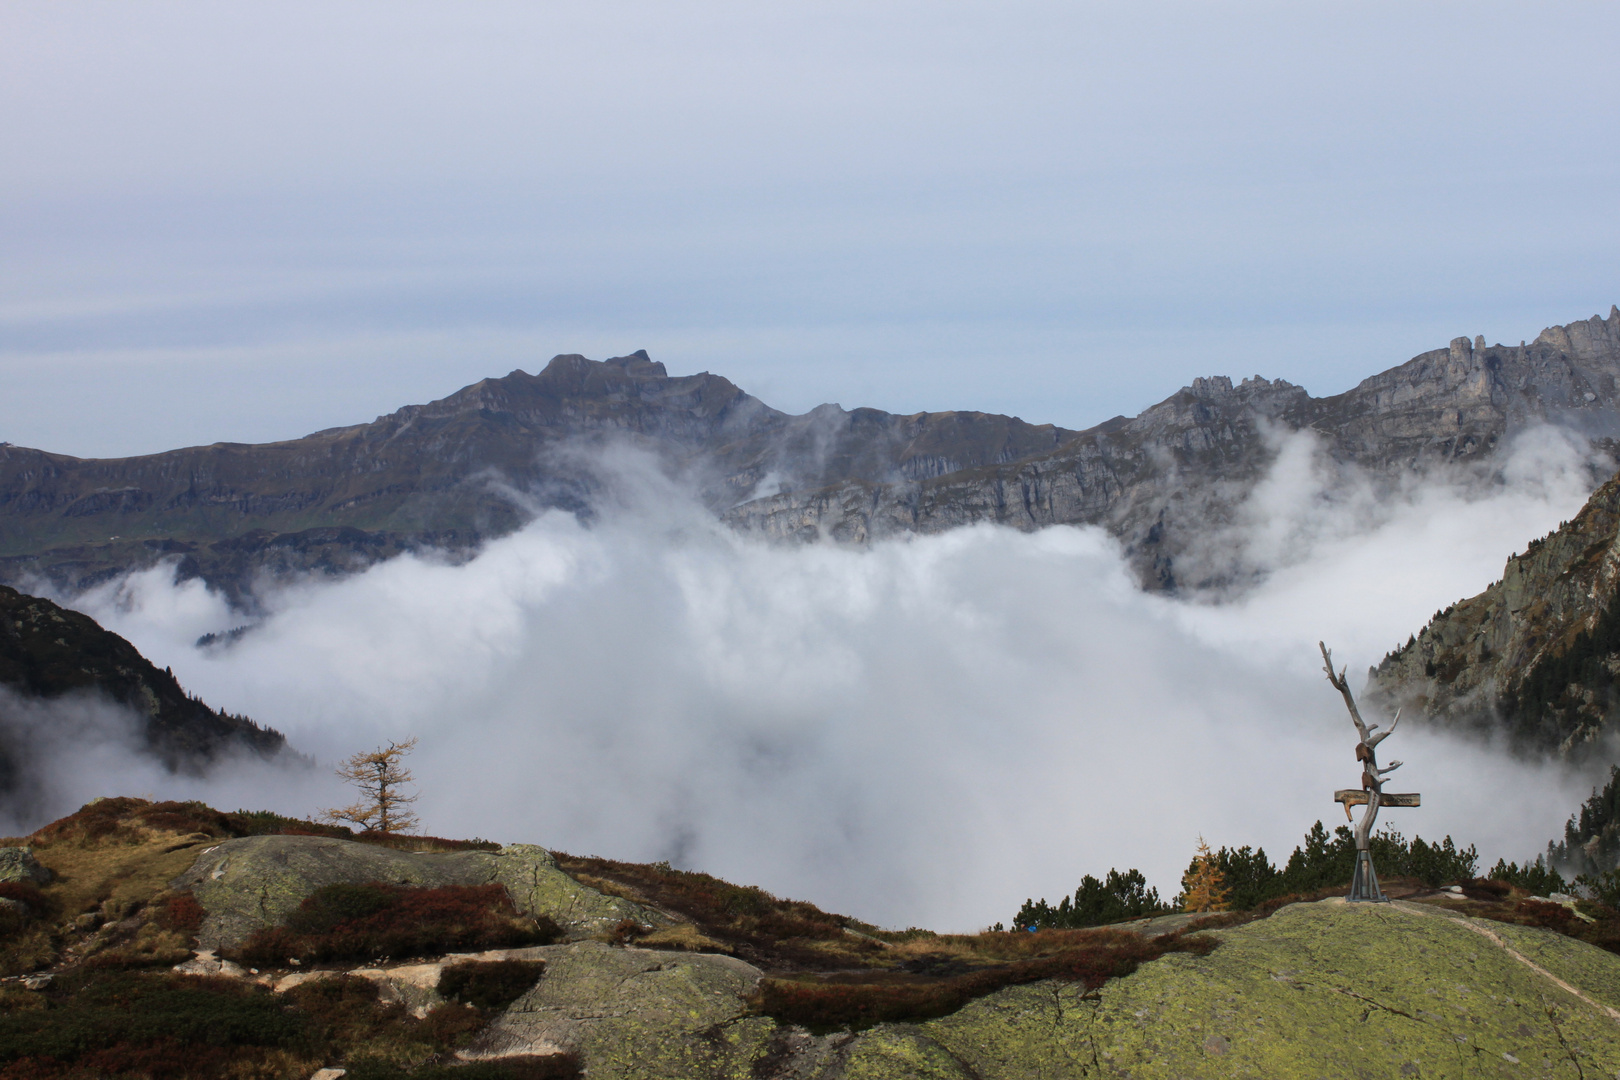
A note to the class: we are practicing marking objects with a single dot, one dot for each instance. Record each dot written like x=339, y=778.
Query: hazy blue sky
x=223, y=220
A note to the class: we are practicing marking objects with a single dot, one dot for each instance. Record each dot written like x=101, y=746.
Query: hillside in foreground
x=146, y=940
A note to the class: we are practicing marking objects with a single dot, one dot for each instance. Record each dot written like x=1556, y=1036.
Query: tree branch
x=1343, y=687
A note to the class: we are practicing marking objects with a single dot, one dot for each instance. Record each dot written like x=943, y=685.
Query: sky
x=223, y=221
x=922, y=732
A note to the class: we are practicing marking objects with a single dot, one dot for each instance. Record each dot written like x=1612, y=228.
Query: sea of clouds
x=925, y=731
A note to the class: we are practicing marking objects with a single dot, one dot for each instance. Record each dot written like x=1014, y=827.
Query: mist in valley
x=925, y=731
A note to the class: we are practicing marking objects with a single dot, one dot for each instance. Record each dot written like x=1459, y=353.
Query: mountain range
x=1534, y=658
x=477, y=464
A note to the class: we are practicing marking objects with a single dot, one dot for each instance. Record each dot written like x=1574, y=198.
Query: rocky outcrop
x=1178, y=470
x=1469, y=667
x=635, y=1012
x=443, y=475
x=1315, y=989
x=257, y=881
x=1325, y=989
x=18, y=865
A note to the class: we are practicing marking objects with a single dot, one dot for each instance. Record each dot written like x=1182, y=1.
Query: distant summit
x=440, y=475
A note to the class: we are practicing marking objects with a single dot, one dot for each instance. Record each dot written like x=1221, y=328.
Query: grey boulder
x=17, y=864
x=257, y=881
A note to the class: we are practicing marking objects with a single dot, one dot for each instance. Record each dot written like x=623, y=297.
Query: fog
x=924, y=731
x=59, y=754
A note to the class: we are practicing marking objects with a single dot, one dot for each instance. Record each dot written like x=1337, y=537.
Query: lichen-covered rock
x=17, y=864
x=635, y=1013
x=1329, y=989
x=1325, y=989
x=1316, y=990
x=257, y=881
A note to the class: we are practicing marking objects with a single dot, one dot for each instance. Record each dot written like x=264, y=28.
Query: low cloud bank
x=56, y=755
x=923, y=732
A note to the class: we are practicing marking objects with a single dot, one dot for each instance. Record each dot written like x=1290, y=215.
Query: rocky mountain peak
x=1592, y=339
x=421, y=475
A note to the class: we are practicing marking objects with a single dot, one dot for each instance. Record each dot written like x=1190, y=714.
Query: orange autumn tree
x=1203, y=887
x=383, y=806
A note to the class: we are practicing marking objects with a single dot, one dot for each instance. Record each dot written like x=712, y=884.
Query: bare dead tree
x=383, y=806
x=1364, y=885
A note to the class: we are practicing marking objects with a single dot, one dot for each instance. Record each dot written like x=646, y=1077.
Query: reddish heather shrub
x=1489, y=887
x=548, y=1067
x=764, y=929
x=370, y=922
x=181, y=912
x=454, y=1024
x=161, y=1059
x=824, y=1005
x=91, y=821
x=626, y=931
x=26, y=893
x=1544, y=913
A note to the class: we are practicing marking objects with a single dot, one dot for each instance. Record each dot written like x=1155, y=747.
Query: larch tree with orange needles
x=384, y=806
x=1203, y=888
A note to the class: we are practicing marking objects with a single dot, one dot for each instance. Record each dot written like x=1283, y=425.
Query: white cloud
x=59, y=754
x=926, y=731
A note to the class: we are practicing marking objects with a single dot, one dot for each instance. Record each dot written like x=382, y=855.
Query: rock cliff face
x=1180, y=468
x=1533, y=655
x=448, y=474
x=443, y=474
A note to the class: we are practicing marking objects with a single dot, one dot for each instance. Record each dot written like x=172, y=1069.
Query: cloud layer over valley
x=922, y=732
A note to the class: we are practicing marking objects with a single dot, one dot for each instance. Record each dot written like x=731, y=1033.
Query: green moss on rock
x=257, y=881
x=1328, y=989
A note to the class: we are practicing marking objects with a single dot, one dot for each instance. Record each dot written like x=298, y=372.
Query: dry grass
x=378, y=921
x=683, y=936
x=111, y=862
x=110, y=868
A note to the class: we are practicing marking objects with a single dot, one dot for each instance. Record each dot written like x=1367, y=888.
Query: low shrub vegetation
x=377, y=921
x=126, y=818
x=835, y=1003
x=749, y=922
x=161, y=1025
x=489, y=984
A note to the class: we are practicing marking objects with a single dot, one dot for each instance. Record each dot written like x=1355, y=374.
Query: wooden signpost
x=1364, y=885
